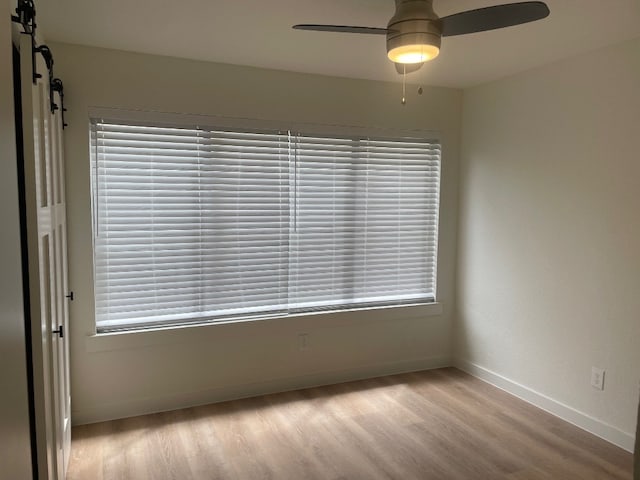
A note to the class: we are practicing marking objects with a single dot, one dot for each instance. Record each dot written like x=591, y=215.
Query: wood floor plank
x=584, y=453
x=436, y=425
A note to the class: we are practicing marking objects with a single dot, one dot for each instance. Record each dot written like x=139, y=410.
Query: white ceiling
x=258, y=33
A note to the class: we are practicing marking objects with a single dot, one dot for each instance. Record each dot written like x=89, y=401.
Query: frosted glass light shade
x=417, y=53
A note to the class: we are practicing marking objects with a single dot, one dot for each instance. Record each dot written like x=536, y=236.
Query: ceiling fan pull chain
x=404, y=78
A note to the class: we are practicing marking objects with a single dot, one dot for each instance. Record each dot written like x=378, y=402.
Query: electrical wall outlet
x=597, y=378
x=303, y=341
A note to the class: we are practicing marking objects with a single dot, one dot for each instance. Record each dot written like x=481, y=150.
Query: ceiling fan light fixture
x=413, y=53
x=414, y=33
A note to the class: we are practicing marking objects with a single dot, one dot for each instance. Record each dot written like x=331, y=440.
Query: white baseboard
x=579, y=419
x=174, y=401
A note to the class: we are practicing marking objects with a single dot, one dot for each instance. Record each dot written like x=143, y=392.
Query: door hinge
x=70, y=296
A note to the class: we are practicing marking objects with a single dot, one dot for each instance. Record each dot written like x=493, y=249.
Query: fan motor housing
x=414, y=23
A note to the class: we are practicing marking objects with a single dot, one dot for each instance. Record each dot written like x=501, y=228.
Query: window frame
x=355, y=133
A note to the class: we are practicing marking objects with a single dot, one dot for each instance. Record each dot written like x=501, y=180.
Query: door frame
x=17, y=102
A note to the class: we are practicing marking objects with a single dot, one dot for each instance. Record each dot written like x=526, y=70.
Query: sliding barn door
x=47, y=252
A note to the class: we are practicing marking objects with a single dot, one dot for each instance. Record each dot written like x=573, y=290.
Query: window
x=202, y=224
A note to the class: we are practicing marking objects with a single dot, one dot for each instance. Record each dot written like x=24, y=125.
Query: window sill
x=202, y=332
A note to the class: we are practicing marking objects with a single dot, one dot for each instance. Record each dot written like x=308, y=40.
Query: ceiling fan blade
x=491, y=18
x=341, y=29
x=408, y=67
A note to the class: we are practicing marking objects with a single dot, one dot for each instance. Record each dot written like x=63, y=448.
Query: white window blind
x=200, y=224
x=366, y=221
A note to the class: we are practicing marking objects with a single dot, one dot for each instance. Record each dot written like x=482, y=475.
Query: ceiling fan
x=415, y=31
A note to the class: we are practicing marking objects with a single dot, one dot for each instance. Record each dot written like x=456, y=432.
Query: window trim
x=203, y=332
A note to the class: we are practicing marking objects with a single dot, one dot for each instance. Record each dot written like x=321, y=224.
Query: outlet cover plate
x=597, y=378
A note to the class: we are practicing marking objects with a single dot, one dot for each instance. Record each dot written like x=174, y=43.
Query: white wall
x=128, y=374
x=548, y=265
x=15, y=446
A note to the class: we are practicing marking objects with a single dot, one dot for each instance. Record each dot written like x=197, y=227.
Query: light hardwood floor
x=438, y=424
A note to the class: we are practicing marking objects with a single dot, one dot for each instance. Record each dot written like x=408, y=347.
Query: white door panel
x=48, y=282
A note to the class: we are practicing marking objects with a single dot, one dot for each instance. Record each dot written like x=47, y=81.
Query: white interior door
x=59, y=222
x=46, y=238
